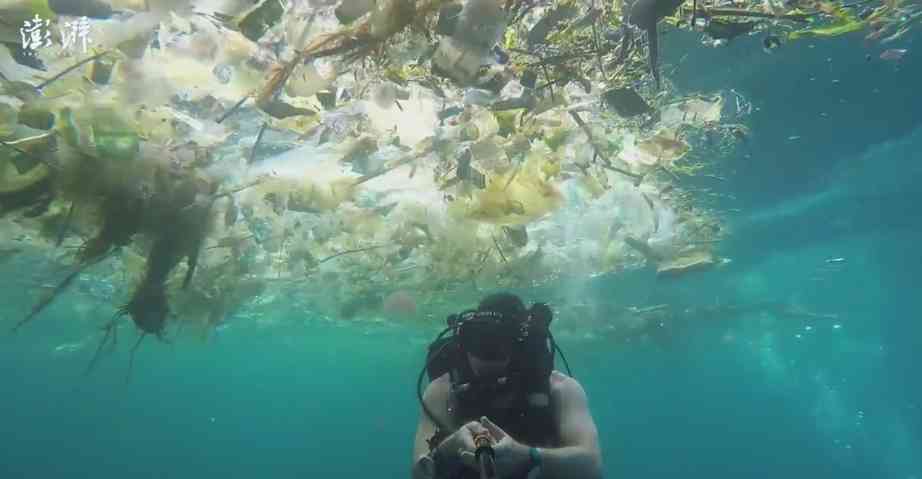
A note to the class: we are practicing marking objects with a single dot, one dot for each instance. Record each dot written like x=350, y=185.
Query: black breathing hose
x=560, y=352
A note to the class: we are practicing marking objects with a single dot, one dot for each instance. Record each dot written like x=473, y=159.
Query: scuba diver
x=495, y=407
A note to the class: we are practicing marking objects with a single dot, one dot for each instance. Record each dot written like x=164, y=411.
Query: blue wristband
x=534, y=468
x=535, y=456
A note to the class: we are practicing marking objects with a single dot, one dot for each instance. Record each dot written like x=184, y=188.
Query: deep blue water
x=753, y=396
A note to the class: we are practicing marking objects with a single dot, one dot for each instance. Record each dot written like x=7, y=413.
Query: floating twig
x=605, y=161
x=231, y=192
x=232, y=109
x=498, y=249
x=131, y=356
x=515, y=173
x=670, y=173
x=738, y=12
x=29, y=154
x=111, y=329
x=259, y=137
x=643, y=248
x=548, y=76
x=349, y=251
x=595, y=38
x=394, y=166
x=69, y=69
x=231, y=242
x=51, y=295
x=66, y=225
x=652, y=211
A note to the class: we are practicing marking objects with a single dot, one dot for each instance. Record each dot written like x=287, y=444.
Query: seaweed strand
x=50, y=297
x=66, y=225
x=131, y=356
x=111, y=329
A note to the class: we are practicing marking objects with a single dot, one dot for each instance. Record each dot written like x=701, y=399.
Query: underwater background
x=831, y=171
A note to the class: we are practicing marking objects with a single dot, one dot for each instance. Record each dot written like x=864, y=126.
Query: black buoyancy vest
x=528, y=423
x=531, y=424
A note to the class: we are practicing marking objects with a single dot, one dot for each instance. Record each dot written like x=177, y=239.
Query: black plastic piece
x=529, y=79
x=626, y=102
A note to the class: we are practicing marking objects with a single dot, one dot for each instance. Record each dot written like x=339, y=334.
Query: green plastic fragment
x=113, y=137
x=556, y=138
x=828, y=31
x=68, y=129
x=845, y=23
x=469, y=132
x=124, y=146
x=506, y=120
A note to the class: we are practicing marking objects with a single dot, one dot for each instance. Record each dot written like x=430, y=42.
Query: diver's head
x=489, y=338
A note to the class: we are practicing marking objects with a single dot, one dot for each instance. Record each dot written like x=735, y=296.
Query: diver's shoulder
x=559, y=380
x=559, y=377
x=562, y=384
x=438, y=389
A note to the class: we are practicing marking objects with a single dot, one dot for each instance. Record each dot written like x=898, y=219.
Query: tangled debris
x=422, y=145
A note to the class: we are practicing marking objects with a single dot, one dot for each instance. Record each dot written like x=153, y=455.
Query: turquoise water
x=756, y=395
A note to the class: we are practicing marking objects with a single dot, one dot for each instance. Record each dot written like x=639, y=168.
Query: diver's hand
x=460, y=444
x=511, y=456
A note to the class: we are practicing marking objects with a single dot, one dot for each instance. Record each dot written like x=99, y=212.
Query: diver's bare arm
x=435, y=397
x=579, y=455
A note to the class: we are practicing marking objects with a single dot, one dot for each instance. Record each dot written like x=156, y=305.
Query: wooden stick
x=238, y=189
x=498, y=249
x=349, y=251
x=605, y=162
x=69, y=69
x=29, y=154
x=64, y=227
x=384, y=171
x=50, y=297
x=738, y=12
x=670, y=172
x=235, y=240
x=595, y=41
x=259, y=137
x=232, y=109
x=218, y=196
